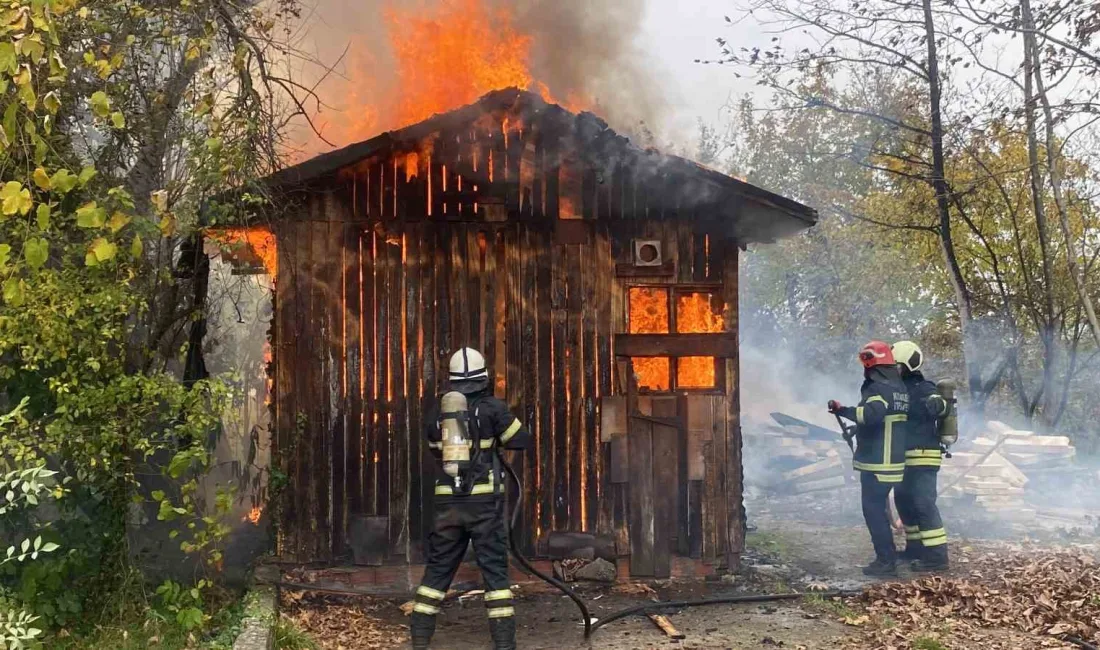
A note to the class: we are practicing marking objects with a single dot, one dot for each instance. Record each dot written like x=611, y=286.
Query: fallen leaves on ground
x=1049, y=594
x=339, y=623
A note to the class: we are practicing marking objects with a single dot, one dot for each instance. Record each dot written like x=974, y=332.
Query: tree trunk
x=1055, y=170
x=943, y=206
x=1047, y=329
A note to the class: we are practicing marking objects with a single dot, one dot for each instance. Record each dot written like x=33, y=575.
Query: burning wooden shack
x=599, y=280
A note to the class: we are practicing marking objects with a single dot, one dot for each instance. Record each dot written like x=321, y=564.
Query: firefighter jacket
x=881, y=424
x=926, y=407
x=493, y=427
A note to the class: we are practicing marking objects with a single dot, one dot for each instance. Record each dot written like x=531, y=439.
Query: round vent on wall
x=647, y=252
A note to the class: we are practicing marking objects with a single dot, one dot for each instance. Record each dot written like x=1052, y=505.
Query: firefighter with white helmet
x=926, y=538
x=465, y=433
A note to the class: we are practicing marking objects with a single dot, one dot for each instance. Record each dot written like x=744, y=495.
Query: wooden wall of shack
x=373, y=294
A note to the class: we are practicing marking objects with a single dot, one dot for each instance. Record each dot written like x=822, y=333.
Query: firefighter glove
x=835, y=407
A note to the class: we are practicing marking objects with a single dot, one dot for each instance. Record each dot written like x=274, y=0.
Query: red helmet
x=876, y=353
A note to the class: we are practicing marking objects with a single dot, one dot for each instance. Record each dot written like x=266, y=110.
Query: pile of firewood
x=990, y=470
x=799, y=457
x=993, y=469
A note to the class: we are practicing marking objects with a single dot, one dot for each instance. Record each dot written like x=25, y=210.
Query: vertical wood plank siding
x=388, y=268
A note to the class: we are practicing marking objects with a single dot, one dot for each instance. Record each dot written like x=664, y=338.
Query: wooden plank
x=618, y=189
x=400, y=436
x=468, y=145
x=612, y=417
x=419, y=471
x=319, y=461
x=430, y=378
x=503, y=284
x=734, y=476
x=590, y=484
x=374, y=191
x=539, y=249
x=383, y=306
x=560, y=318
x=288, y=250
x=490, y=281
x=460, y=331
x=337, y=371
x=514, y=146
x=574, y=355
x=475, y=305
x=620, y=459
x=552, y=145
x=695, y=519
x=628, y=270
x=642, y=520
x=666, y=626
x=435, y=180
x=685, y=251
x=603, y=192
x=722, y=345
x=604, y=363
x=538, y=184
x=368, y=315
x=353, y=367
x=666, y=487
x=683, y=505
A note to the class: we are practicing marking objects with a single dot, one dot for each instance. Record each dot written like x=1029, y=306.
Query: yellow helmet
x=908, y=354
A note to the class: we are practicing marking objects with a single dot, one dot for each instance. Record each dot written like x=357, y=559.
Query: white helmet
x=908, y=354
x=467, y=365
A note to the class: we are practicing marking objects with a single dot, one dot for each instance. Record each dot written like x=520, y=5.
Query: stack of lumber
x=798, y=457
x=993, y=470
x=990, y=470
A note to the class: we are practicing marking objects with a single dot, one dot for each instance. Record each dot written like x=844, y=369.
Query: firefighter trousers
x=458, y=522
x=875, y=499
x=925, y=536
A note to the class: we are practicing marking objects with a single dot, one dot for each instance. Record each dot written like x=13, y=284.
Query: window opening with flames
x=696, y=312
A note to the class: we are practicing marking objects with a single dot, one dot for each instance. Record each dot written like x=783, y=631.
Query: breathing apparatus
x=454, y=425
x=948, y=424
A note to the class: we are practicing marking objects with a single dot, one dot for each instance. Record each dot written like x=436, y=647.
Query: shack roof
x=754, y=214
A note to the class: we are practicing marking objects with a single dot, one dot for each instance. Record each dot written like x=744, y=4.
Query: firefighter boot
x=503, y=631
x=881, y=568
x=421, y=628
x=933, y=560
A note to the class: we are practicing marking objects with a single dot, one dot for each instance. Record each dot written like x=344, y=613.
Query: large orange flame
x=696, y=313
x=253, y=242
x=442, y=59
x=649, y=315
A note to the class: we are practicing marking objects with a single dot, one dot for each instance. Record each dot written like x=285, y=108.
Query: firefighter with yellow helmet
x=465, y=433
x=931, y=429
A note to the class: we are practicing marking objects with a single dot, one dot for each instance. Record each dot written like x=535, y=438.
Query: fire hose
x=591, y=624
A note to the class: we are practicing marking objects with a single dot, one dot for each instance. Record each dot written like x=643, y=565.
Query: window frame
x=673, y=290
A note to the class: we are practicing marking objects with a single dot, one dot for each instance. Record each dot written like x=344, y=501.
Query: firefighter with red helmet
x=465, y=433
x=881, y=426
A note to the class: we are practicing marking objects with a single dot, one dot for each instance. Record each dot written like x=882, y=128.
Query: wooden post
x=734, y=479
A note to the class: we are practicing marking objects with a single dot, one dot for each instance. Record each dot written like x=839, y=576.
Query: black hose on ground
x=564, y=588
x=589, y=625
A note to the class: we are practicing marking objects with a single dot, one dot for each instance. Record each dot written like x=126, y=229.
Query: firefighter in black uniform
x=469, y=499
x=880, y=447
x=926, y=539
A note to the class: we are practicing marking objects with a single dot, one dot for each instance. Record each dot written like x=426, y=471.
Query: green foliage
x=289, y=637
x=927, y=643
x=120, y=123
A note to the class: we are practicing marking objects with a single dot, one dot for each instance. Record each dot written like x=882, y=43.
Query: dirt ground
x=823, y=549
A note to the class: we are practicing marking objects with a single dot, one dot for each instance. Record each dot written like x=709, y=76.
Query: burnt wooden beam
x=723, y=346
x=628, y=270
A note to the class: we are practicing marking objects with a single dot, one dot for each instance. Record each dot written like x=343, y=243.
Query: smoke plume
x=401, y=61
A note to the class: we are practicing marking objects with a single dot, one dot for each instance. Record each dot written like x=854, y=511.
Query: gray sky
x=675, y=34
